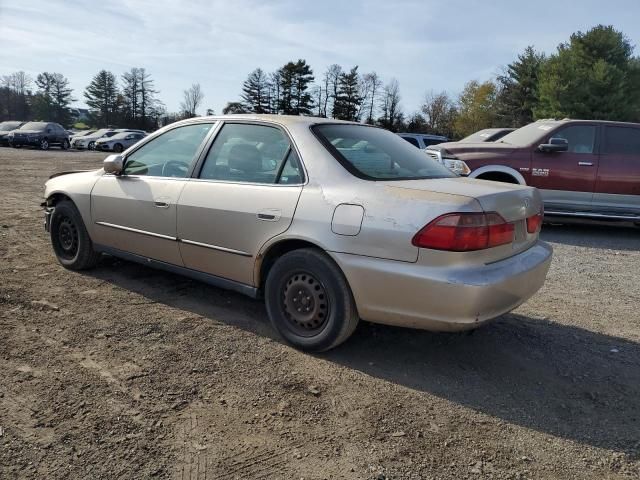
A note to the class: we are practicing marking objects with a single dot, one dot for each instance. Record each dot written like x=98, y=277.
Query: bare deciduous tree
x=439, y=112
x=193, y=98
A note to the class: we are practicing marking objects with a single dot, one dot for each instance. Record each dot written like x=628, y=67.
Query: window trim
x=197, y=170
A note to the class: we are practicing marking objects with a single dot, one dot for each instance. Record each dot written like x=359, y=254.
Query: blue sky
x=427, y=45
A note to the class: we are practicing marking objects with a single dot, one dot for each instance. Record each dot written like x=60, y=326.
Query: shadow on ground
x=540, y=374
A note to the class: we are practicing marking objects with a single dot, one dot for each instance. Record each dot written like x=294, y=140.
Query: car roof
x=285, y=120
x=554, y=121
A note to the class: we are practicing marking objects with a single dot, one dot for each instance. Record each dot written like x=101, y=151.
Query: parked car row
x=107, y=139
x=44, y=135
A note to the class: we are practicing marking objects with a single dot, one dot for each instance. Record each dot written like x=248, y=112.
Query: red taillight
x=534, y=223
x=464, y=232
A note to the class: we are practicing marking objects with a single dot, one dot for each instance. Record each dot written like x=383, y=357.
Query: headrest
x=246, y=158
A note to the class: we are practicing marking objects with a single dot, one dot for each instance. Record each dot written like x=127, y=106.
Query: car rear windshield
x=375, y=154
x=34, y=126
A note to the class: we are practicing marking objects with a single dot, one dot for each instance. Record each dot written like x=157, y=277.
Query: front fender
x=76, y=186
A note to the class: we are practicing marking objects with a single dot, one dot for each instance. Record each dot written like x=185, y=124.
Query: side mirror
x=113, y=164
x=555, y=145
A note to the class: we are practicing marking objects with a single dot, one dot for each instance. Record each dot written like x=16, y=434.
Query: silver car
x=118, y=142
x=330, y=222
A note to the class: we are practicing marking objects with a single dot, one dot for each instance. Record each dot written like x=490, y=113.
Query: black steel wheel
x=309, y=300
x=305, y=303
x=69, y=238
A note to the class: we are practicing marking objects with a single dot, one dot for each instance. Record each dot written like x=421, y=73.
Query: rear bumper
x=443, y=298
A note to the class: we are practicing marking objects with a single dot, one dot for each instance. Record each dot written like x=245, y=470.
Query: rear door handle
x=585, y=164
x=160, y=204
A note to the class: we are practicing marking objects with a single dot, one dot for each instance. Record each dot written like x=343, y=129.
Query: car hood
x=461, y=149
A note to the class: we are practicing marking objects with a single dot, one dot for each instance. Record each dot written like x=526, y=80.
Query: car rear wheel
x=65, y=145
x=44, y=144
x=309, y=301
x=70, y=240
x=117, y=148
x=91, y=146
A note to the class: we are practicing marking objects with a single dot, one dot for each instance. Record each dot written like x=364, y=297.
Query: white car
x=118, y=142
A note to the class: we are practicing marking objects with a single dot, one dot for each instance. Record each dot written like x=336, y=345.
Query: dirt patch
x=127, y=372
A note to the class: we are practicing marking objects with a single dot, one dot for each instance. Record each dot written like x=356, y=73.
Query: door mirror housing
x=113, y=164
x=555, y=145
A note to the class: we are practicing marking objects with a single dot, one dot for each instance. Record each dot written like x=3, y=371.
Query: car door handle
x=269, y=215
x=585, y=164
x=160, y=204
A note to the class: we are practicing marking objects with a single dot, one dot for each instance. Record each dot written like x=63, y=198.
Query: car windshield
x=376, y=154
x=529, y=134
x=84, y=134
x=6, y=126
x=34, y=126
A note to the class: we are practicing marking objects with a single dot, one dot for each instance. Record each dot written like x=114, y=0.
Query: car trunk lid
x=514, y=203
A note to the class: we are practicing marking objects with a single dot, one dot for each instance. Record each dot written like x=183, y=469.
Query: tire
x=309, y=301
x=65, y=145
x=118, y=148
x=91, y=146
x=44, y=144
x=69, y=238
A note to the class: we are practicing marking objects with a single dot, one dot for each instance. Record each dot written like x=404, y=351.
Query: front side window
x=170, y=154
x=247, y=153
x=376, y=154
x=581, y=138
x=622, y=141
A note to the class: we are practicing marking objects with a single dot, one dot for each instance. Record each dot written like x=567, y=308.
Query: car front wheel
x=309, y=301
x=70, y=240
x=91, y=146
x=65, y=145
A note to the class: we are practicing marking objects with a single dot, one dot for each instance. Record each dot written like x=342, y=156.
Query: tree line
x=594, y=75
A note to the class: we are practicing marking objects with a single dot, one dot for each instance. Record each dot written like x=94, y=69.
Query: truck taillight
x=465, y=232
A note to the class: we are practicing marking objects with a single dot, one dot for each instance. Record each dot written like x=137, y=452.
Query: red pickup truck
x=583, y=168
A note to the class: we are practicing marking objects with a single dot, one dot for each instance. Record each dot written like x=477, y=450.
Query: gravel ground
x=127, y=372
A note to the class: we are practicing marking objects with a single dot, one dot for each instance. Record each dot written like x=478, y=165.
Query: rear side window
x=247, y=153
x=375, y=154
x=622, y=140
x=581, y=138
x=412, y=141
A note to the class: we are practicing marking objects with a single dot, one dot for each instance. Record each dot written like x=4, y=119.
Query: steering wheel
x=175, y=168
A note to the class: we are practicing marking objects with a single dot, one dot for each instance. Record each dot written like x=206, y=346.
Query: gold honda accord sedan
x=329, y=221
